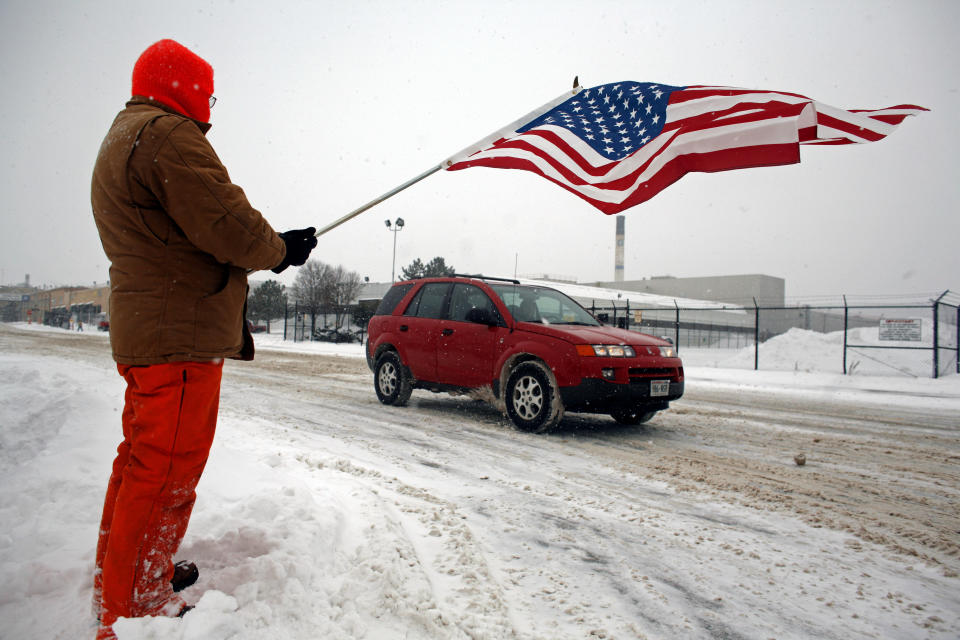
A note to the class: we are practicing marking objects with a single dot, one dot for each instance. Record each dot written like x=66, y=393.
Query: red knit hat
x=170, y=73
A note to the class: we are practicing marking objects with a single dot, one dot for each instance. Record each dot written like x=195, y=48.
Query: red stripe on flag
x=849, y=127
x=699, y=92
x=891, y=119
x=909, y=107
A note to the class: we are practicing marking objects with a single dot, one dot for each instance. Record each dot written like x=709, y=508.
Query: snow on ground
x=326, y=515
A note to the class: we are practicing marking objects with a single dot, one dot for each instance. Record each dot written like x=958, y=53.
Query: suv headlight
x=606, y=350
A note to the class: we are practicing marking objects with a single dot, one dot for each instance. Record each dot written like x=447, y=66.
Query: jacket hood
x=144, y=100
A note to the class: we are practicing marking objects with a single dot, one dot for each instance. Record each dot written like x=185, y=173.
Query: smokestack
x=26, y=280
x=618, y=266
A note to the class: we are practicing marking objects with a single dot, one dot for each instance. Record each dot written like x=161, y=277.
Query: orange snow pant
x=169, y=418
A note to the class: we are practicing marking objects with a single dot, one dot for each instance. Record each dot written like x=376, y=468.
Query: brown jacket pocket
x=219, y=317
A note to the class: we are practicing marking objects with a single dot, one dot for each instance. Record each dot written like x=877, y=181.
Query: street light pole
x=396, y=227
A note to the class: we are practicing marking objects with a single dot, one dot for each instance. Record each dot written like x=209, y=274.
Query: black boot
x=184, y=574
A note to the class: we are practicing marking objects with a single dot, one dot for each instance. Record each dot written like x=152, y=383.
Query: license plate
x=659, y=387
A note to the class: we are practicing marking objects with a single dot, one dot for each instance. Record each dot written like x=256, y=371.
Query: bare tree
x=345, y=286
x=308, y=289
x=321, y=289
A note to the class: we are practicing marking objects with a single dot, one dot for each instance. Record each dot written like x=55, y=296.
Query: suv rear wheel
x=531, y=398
x=391, y=381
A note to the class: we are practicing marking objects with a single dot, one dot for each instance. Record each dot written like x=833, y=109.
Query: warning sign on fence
x=900, y=329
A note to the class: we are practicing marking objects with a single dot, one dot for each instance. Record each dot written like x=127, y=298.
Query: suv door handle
x=404, y=327
x=447, y=332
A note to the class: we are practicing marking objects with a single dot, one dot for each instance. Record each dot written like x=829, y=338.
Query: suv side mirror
x=482, y=316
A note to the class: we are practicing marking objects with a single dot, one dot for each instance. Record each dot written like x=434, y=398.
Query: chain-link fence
x=913, y=338
x=347, y=324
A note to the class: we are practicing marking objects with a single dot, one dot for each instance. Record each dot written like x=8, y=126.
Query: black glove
x=300, y=242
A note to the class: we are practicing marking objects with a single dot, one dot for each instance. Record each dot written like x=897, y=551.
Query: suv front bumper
x=595, y=395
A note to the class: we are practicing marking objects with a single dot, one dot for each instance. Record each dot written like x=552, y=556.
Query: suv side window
x=392, y=299
x=428, y=303
x=466, y=297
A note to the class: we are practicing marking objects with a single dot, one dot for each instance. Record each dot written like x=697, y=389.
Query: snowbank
x=283, y=555
x=807, y=351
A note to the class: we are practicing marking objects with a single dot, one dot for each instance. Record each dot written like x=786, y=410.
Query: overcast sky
x=323, y=106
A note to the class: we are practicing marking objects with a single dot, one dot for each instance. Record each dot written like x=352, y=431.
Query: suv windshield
x=541, y=304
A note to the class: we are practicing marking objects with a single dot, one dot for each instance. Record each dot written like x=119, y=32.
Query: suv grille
x=638, y=374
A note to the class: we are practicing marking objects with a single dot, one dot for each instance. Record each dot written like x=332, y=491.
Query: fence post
x=936, y=336
x=626, y=324
x=756, y=334
x=846, y=312
x=676, y=327
x=286, y=312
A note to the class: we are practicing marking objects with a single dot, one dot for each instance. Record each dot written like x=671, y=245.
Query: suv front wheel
x=531, y=398
x=391, y=381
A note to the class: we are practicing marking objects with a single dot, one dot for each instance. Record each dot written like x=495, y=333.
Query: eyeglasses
x=213, y=101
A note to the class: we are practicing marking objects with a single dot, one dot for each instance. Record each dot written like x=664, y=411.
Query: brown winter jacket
x=180, y=238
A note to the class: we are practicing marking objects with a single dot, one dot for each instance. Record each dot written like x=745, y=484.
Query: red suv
x=538, y=351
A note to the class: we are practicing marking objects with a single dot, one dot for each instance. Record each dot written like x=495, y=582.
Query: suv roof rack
x=477, y=276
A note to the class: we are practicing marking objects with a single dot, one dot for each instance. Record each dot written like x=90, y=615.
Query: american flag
x=619, y=144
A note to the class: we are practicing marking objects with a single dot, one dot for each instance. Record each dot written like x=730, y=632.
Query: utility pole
x=396, y=227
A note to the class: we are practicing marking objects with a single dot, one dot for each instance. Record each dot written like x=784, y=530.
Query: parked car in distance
x=336, y=335
x=537, y=350
x=103, y=325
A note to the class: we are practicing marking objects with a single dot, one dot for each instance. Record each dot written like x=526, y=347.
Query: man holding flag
x=181, y=238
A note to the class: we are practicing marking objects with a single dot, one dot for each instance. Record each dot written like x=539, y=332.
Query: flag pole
x=376, y=201
x=480, y=144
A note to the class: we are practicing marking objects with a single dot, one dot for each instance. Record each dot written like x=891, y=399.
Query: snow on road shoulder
x=275, y=342
x=59, y=426
x=289, y=546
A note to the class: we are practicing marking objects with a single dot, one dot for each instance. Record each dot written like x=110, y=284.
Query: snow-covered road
x=325, y=514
